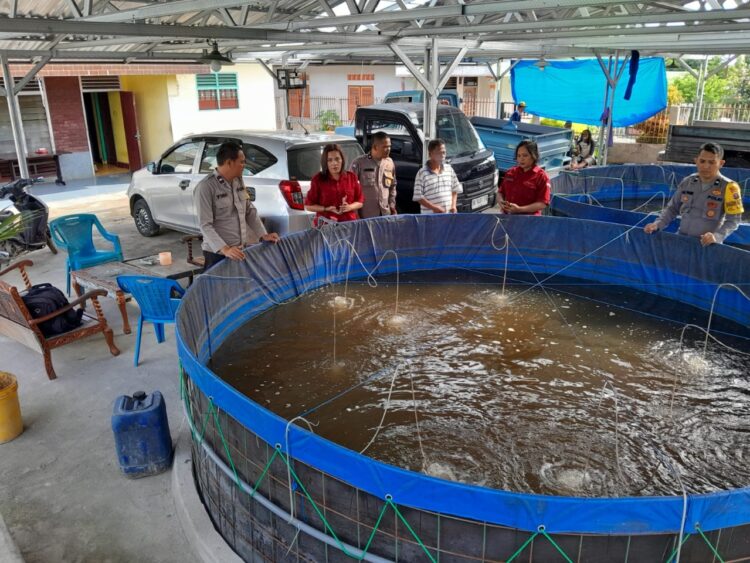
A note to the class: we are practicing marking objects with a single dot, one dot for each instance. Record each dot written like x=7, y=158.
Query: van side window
x=401, y=140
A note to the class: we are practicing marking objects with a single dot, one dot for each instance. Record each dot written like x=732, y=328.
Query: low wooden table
x=175, y=271
x=104, y=276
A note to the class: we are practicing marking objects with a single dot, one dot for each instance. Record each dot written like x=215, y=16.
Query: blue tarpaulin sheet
x=673, y=266
x=574, y=91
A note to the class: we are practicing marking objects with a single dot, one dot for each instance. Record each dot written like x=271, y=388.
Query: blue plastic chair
x=75, y=235
x=158, y=299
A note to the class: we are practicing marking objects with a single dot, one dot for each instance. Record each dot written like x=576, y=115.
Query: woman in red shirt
x=524, y=189
x=335, y=192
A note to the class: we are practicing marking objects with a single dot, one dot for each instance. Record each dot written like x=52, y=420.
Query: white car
x=279, y=167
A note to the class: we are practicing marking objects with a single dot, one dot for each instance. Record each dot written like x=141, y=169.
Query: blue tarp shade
x=673, y=266
x=574, y=91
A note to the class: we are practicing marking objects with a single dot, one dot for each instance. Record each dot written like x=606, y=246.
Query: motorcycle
x=33, y=231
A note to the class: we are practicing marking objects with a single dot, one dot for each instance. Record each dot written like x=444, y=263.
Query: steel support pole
x=16, y=122
x=700, y=90
x=434, y=83
x=616, y=81
x=607, y=74
x=426, y=102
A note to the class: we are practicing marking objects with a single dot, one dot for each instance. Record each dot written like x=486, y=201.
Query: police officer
x=377, y=176
x=228, y=220
x=710, y=205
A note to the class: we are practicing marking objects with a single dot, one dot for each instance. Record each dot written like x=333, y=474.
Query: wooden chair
x=17, y=323
x=194, y=260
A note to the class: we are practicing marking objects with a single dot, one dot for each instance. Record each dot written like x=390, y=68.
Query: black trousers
x=211, y=258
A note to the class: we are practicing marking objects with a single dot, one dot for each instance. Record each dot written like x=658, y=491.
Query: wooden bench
x=17, y=323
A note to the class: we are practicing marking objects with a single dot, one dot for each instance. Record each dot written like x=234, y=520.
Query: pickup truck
x=449, y=97
x=684, y=141
x=473, y=163
x=502, y=136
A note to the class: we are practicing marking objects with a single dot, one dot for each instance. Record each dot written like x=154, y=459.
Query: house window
x=217, y=91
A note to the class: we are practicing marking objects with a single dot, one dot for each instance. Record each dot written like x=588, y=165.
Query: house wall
x=332, y=81
x=152, y=110
x=256, y=99
x=68, y=124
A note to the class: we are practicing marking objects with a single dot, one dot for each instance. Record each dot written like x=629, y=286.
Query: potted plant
x=329, y=120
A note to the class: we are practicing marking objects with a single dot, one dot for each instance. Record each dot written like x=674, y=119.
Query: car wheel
x=144, y=222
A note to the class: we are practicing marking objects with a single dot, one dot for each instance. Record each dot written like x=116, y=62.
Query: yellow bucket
x=11, y=424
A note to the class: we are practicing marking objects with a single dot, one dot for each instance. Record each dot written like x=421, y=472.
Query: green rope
x=520, y=549
x=408, y=527
x=540, y=531
x=212, y=412
x=557, y=547
x=709, y=544
x=674, y=551
x=705, y=539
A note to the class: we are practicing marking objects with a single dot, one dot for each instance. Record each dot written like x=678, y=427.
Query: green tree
x=738, y=78
x=717, y=89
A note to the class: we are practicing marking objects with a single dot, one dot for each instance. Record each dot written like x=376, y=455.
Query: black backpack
x=43, y=299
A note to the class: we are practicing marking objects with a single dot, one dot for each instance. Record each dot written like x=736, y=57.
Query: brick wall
x=89, y=69
x=66, y=114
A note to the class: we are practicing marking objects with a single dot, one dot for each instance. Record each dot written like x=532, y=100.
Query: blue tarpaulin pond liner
x=246, y=456
x=579, y=88
x=581, y=207
x=596, y=193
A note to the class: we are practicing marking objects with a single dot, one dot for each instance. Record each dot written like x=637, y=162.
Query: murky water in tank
x=508, y=392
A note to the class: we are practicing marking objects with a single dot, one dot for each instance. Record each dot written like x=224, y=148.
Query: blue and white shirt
x=437, y=187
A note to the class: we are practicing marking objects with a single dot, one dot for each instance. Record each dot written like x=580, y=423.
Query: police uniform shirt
x=714, y=207
x=378, y=181
x=226, y=215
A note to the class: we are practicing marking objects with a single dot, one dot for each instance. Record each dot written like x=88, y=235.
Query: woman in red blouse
x=524, y=189
x=335, y=192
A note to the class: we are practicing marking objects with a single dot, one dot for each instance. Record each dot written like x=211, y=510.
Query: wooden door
x=360, y=96
x=299, y=101
x=132, y=133
x=470, y=100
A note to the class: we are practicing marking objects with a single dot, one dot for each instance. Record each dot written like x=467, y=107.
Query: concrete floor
x=61, y=493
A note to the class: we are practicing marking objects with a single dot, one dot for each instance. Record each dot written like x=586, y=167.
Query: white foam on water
x=340, y=302
x=695, y=362
x=439, y=470
x=499, y=298
x=396, y=320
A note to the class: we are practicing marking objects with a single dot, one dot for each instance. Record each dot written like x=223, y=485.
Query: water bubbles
x=571, y=480
x=439, y=470
x=499, y=298
x=396, y=320
x=342, y=303
x=695, y=362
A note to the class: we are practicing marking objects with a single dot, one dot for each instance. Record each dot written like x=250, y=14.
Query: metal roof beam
x=80, y=27
x=429, y=13
x=584, y=22
x=30, y=75
x=74, y=9
x=16, y=54
x=615, y=32
x=171, y=8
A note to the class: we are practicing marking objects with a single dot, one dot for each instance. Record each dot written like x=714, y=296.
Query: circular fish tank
x=279, y=485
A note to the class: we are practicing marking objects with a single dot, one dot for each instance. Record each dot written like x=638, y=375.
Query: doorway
x=106, y=132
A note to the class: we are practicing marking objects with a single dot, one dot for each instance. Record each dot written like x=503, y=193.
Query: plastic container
x=142, y=439
x=11, y=424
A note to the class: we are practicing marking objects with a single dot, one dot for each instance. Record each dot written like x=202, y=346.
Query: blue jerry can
x=142, y=439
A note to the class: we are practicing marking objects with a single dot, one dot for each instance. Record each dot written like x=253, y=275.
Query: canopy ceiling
x=362, y=31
